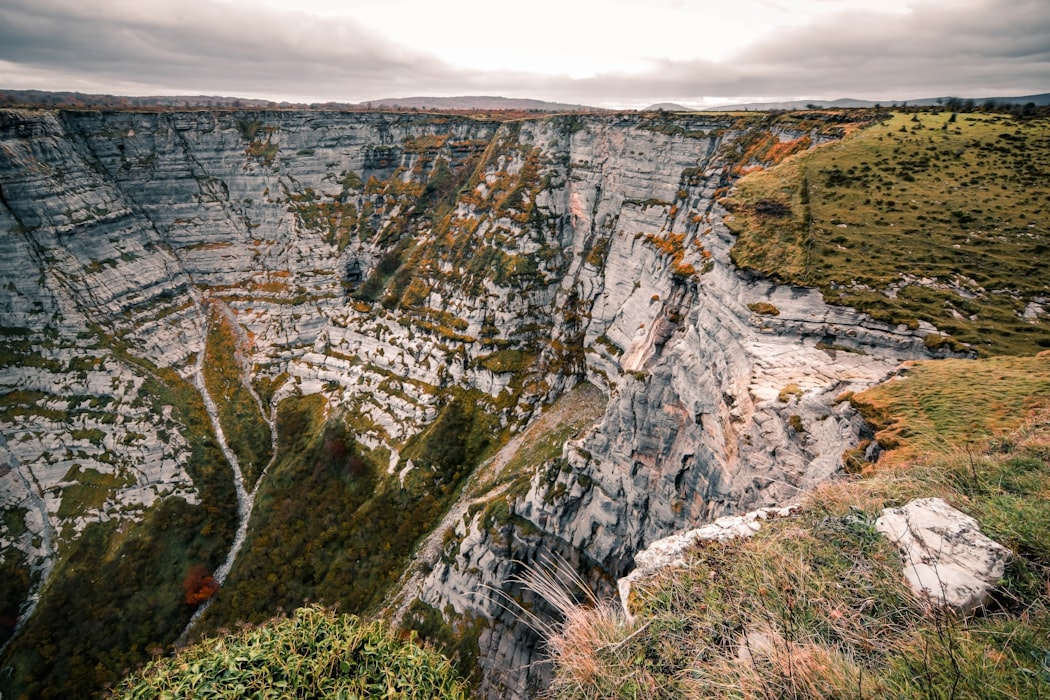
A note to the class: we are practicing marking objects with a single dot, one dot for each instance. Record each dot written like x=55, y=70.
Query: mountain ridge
x=478, y=102
x=30, y=98
x=1041, y=99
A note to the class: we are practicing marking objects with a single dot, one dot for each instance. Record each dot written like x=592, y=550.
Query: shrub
x=315, y=653
x=771, y=207
x=789, y=392
x=764, y=308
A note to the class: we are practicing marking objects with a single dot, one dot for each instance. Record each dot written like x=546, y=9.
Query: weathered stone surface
x=947, y=560
x=756, y=645
x=669, y=552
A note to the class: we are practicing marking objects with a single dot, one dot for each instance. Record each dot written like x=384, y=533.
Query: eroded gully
x=245, y=497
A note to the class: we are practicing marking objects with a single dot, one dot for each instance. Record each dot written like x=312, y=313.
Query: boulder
x=947, y=560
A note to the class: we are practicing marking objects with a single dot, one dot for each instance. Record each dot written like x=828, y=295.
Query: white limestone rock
x=669, y=552
x=757, y=644
x=947, y=560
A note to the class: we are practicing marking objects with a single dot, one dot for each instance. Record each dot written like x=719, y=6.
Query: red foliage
x=198, y=585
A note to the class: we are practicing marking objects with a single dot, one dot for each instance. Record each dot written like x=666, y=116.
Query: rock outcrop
x=947, y=561
x=669, y=552
x=390, y=262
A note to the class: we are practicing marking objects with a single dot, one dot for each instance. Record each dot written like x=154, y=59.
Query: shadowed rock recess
x=385, y=304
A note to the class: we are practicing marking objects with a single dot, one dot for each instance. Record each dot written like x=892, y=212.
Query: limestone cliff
x=397, y=265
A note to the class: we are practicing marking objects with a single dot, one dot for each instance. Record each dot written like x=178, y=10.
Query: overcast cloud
x=978, y=48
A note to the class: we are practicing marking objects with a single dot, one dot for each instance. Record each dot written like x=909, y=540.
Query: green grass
x=961, y=203
x=14, y=522
x=545, y=439
x=21, y=402
x=312, y=654
x=819, y=596
x=920, y=413
x=90, y=492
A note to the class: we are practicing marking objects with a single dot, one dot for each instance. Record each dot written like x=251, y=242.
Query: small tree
x=199, y=585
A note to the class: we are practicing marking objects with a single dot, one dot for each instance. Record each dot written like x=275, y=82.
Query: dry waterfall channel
x=245, y=498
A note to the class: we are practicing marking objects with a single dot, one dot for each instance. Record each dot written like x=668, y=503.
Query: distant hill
x=478, y=102
x=481, y=103
x=667, y=107
x=43, y=98
x=78, y=99
x=845, y=103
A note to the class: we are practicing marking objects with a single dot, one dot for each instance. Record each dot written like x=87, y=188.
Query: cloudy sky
x=612, y=53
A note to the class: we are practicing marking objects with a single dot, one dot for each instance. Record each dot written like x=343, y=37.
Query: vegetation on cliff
x=815, y=606
x=125, y=580
x=332, y=524
x=312, y=654
x=244, y=426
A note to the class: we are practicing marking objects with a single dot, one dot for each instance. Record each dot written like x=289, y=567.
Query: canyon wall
x=413, y=270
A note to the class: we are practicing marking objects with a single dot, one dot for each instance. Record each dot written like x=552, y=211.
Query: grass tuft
x=587, y=640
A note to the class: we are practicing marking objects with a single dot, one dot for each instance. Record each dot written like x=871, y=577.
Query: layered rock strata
x=386, y=261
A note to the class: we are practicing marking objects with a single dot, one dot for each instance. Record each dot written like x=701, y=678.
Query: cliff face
x=712, y=407
x=396, y=265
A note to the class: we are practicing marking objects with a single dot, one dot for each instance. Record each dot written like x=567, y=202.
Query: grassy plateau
x=931, y=216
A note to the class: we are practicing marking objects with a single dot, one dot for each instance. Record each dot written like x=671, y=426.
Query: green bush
x=313, y=654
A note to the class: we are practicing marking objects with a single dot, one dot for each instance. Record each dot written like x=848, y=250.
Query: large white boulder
x=946, y=558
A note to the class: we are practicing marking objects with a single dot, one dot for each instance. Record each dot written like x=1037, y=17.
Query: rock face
x=947, y=560
x=387, y=263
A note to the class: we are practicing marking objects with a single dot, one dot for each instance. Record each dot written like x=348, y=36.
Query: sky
x=605, y=53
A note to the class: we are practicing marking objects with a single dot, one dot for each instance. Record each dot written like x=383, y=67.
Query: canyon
x=484, y=343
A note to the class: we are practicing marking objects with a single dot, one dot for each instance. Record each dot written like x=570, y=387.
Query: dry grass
x=814, y=606
x=785, y=669
x=938, y=406
x=589, y=641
